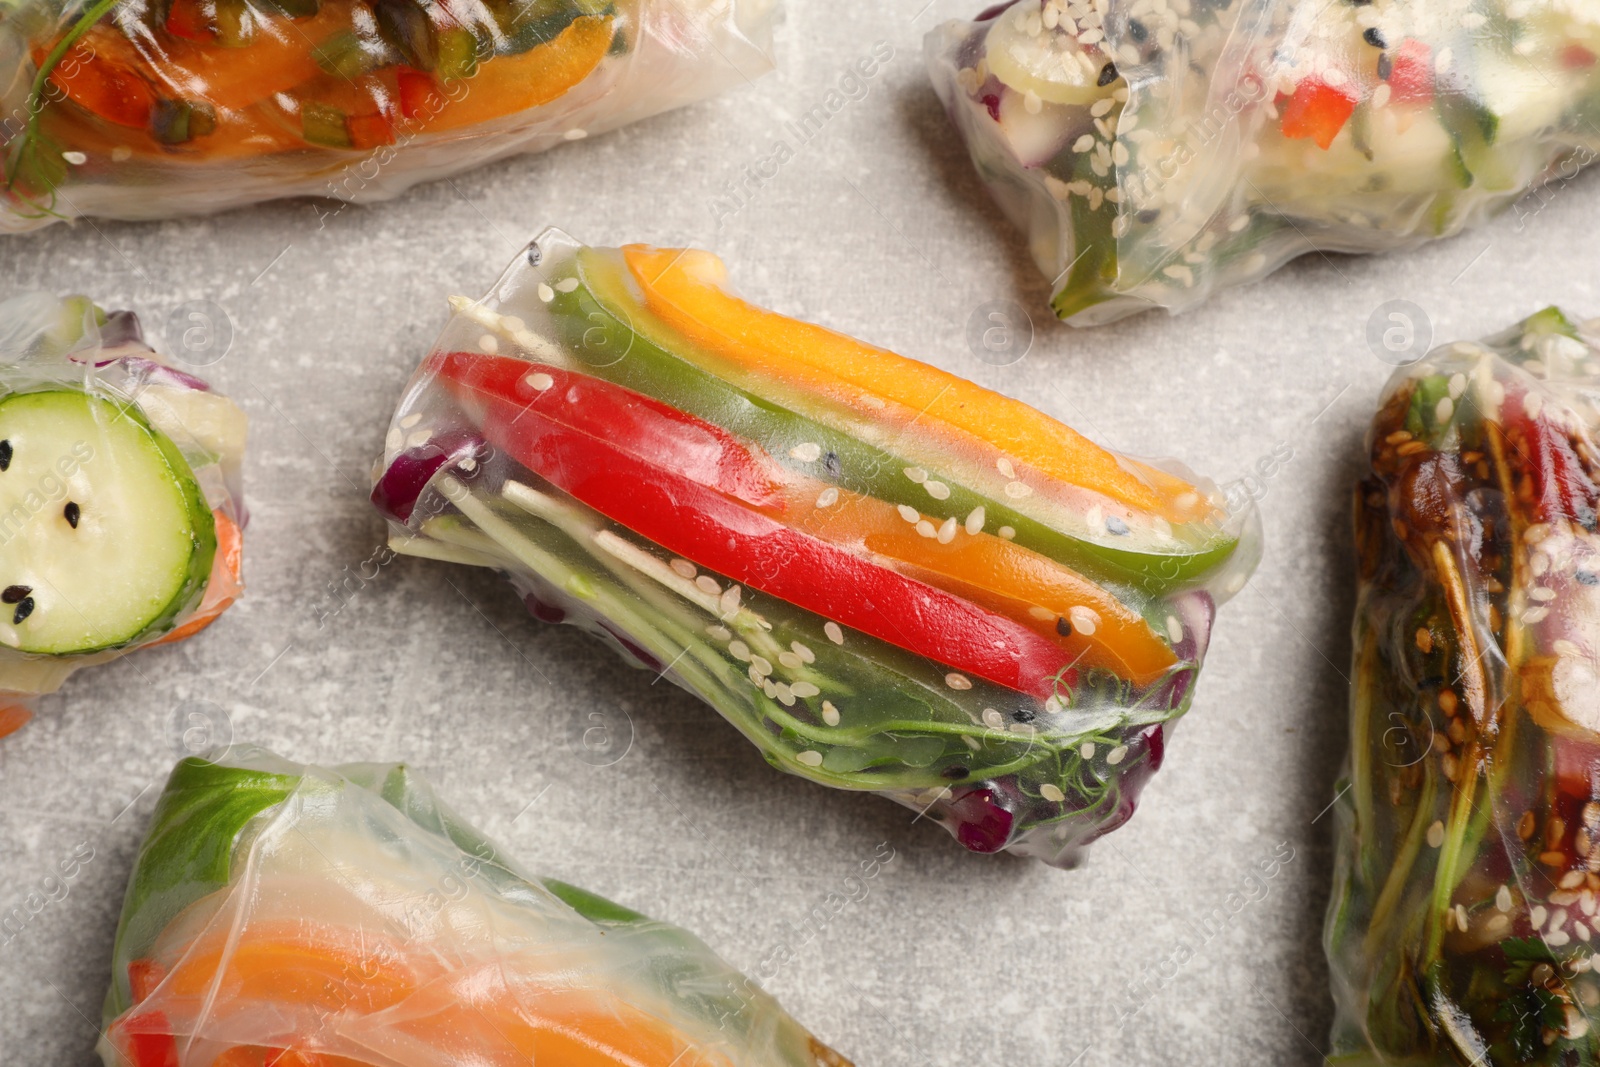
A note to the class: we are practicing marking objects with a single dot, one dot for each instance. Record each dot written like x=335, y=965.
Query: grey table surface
x=877, y=227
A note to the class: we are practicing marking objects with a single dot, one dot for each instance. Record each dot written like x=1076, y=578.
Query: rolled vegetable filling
x=886, y=577
x=120, y=502
x=197, y=105
x=281, y=914
x=1463, y=913
x=1156, y=153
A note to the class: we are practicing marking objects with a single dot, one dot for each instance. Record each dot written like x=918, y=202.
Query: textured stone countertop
x=876, y=226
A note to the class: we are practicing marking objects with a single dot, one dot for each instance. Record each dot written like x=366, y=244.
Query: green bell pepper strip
x=619, y=340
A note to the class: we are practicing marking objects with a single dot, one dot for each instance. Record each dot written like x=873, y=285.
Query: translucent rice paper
x=152, y=108
x=281, y=914
x=1154, y=151
x=1462, y=926
x=887, y=578
x=49, y=344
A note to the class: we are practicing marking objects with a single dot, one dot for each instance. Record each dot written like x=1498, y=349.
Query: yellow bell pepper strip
x=687, y=288
x=696, y=491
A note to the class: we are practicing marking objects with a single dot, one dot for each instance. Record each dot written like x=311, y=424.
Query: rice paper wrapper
x=280, y=913
x=103, y=444
x=1462, y=924
x=147, y=110
x=887, y=578
x=1154, y=152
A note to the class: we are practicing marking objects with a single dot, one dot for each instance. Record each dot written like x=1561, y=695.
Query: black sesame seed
x=1148, y=215
x=830, y=463
x=1063, y=627
x=1023, y=715
x=1374, y=37
x=15, y=593
x=71, y=513
x=1136, y=30
x=24, y=609
x=1587, y=577
x=5, y=455
x=1384, y=66
x=1108, y=74
x=1116, y=525
x=954, y=771
x=535, y=254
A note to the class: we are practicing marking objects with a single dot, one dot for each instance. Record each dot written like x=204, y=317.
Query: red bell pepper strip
x=693, y=489
x=1557, y=487
x=1317, y=110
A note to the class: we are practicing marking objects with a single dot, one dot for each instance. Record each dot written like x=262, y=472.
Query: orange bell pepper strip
x=686, y=288
x=505, y=85
x=1003, y=576
x=13, y=717
x=100, y=73
x=224, y=585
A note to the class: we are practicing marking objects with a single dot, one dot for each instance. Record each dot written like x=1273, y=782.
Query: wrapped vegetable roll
x=120, y=503
x=1462, y=928
x=281, y=915
x=141, y=109
x=1154, y=152
x=887, y=578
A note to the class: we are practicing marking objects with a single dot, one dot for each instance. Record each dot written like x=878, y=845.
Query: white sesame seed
x=755, y=676
x=1458, y=385
x=566, y=285
x=683, y=568
x=1017, y=490
x=394, y=439
x=77, y=159
x=1119, y=154
x=1581, y=930
x=1052, y=792
x=1042, y=614
x=1441, y=63
x=1540, y=592
x=739, y=651
x=1558, y=919
x=1086, y=750
x=830, y=714
x=804, y=689
x=806, y=452
x=974, y=523
x=540, y=381
x=410, y=420
x=1436, y=834
x=810, y=757
x=916, y=474
x=419, y=438
x=828, y=497
x=927, y=529
x=790, y=660
x=805, y=653
x=993, y=720
x=947, y=530
x=910, y=514
x=489, y=344
x=937, y=490
x=770, y=688
x=1101, y=106
x=761, y=664
x=835, y=634
x=1502, y=898
x=708, y=585
x=1534, y=616
x=1117, y=755
x=728, y=602
x=1461, y=918
x=1084, y=620
x=1537, y=915
x=1006, y=533
x=546, y=293
x=1557, y=939
x=957, y=681
x=575, y=134
x=1444, y=409
x=122, y=153
x=1174, y=629
x=720, y=633
x=1083, y=144
x=1003, y=465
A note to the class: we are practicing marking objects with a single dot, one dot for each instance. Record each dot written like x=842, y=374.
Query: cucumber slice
x=1031, y=61
x=105, y=536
